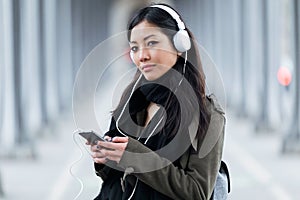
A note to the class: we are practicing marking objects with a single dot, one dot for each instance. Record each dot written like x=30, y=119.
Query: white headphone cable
x=74, y=163
x=183, y=72
x=145, y=143
x=132, y=91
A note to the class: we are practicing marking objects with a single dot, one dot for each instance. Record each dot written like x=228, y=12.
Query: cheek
x=166, y=58
x=169, y=60
x=134, y=60
x=173, y=59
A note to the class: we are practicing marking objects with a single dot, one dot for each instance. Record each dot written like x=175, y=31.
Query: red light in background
x=284, y=76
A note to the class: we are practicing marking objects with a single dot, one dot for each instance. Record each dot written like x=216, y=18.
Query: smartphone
x=92, y=137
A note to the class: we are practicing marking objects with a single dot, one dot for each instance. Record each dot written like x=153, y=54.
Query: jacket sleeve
x=195, y=181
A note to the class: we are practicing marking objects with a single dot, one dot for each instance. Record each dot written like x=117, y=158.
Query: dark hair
x=155, y=16
x=193, y=73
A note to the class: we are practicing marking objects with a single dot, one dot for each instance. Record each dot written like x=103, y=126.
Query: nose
x=144, y=54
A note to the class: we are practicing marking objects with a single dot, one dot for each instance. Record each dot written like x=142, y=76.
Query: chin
x=150, y=78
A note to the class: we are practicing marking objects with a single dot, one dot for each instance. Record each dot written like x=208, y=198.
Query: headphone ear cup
x=182, y=41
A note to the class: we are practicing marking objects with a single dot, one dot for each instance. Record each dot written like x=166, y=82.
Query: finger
x=104, y=155
x=113, y=145
x=107, y=138
x=111, y=153
x=115, y=156
x=120, y=139
x=95, y=148
x=98, y=154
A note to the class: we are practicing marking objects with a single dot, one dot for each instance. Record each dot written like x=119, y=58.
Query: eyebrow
x=146, y=38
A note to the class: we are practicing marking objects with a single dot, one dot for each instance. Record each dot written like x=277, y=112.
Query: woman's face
x=151, y=50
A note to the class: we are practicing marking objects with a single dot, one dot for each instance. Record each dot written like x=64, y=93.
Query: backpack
x=222, y=185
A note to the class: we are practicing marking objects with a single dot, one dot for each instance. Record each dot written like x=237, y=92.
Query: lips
x=147, y=67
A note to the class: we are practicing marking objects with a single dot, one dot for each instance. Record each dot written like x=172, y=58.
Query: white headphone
x=181, y=39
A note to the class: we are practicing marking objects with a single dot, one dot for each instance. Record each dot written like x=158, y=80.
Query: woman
x=166, y=135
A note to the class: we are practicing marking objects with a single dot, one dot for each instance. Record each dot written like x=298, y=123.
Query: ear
x=179, y=54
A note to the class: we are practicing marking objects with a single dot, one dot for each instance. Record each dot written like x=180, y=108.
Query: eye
x=152, y=43
x=134, y=48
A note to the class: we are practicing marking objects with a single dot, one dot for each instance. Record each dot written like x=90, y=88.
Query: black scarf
x=162, y=90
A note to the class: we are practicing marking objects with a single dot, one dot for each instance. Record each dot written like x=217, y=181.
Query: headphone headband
x=181, y=39
x=173, y=13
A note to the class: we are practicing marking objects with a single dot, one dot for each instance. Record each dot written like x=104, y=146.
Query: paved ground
x=258, y=170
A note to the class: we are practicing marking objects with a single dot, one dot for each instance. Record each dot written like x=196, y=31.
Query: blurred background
x=254, y=44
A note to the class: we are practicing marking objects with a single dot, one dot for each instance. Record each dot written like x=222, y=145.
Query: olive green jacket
x=195, y=176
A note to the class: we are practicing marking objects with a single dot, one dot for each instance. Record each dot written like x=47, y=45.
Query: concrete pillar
x=77, y=35
x=64, y=54
x=235, y=96
x=291, y=140
x=2, y=75
x=275, y=54
x=50, y=60
x=208, y=26
x=223, y=59
x=243, y=46
x=30, y=83
x=263, y=118
x=10, y=125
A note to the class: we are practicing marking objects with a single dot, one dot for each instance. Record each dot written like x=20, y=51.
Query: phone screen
x=91, y=137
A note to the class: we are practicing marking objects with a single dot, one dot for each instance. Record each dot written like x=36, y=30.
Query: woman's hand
x=96, y=152
x=113, y=150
